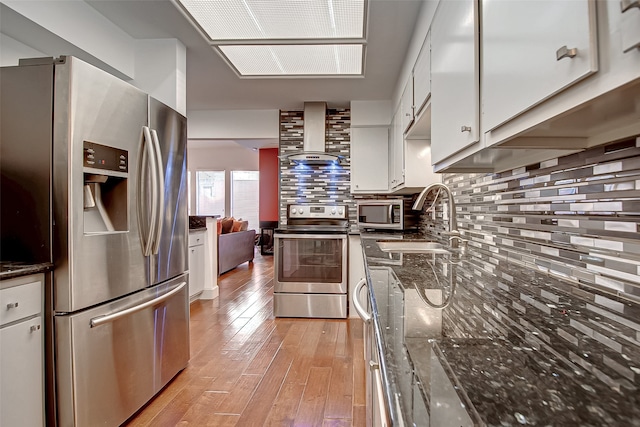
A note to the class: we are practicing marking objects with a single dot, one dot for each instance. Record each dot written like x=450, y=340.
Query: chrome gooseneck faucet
x=453, y=223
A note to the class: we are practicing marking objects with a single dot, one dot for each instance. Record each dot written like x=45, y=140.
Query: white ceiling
x=212, y=85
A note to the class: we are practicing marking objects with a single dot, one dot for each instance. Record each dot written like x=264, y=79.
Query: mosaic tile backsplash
x=551, y=279
x=315, y=183
x=575, y=216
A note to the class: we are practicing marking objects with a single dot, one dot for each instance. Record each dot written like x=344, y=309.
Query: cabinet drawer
x=20, y=301
x=196, y=238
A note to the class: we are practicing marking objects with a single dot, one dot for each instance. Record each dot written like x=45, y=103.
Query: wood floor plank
x=310, y=412
x=296, y=332
x=336, y=423
x=343, y=341
x=260, y=363
x=327, y=344
x=340, y=395
x=267, y=391
x=238, y=398
x=285, y=407
x=199, y=411
x=305, y=352
x=359, y=416
x=173, y=412
x=248, y=368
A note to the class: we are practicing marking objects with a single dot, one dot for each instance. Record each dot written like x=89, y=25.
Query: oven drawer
x=310, y=305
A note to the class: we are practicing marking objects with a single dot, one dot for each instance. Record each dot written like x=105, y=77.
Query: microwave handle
x=391, y=213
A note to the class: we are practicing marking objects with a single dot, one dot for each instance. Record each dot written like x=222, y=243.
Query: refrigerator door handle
x=101, y=320
x=146, y=162
x=160, y=191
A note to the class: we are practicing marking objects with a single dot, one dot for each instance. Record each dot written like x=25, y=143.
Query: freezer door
x=113, y=358
x=170, y=260
x=93, y=263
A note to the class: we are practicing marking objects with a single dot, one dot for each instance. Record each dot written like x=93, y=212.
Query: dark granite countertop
x=513, y=345
x=196, y=229
x=199, y=221
x=12, y=269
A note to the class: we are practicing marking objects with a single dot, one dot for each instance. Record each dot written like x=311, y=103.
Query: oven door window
x=310, y=260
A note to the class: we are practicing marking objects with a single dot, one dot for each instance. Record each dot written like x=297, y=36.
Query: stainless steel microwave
x=386, y=214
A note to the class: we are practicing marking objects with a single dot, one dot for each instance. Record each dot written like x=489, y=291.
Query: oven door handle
x=355, y=297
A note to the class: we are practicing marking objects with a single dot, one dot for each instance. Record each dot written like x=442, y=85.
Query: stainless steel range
x=311, y=262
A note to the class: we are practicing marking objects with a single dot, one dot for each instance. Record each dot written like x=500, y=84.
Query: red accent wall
x=268, y=166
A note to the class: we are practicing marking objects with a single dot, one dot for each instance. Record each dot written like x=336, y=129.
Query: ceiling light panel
x=226, y=20
x=295, y=60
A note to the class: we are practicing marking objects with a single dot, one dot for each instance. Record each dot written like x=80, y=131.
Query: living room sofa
x=234, y=248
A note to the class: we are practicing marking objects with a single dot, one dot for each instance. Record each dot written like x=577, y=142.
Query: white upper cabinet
x=406, y=105
x=553, y=82
x=396, y=151
x=630, y=25
x=532, y=50
x=370, y=122
x=454, y=78
x=369, y=163
x=422, y=77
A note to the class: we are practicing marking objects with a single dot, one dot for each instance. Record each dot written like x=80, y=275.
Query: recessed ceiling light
x=295, y=60
x=226, y=20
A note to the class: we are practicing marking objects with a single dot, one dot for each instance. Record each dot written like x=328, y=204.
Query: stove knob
x=293, y=211
x=333, y=211
x=341, y=212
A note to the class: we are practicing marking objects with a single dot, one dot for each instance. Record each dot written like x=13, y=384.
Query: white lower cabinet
x=21, y=352
x=356, y=269
x=376, y=408
x=196, y=263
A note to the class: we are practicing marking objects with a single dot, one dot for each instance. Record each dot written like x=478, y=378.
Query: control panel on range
x=317, y=211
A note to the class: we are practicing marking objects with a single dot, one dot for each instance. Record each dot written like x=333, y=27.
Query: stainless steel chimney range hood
x=314, y=144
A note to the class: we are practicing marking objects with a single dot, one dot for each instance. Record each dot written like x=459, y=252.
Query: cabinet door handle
x=565, y=52
x=465, y=129
x=629, y=4
x=366, y=317
x=34, y=328
x=12, y=305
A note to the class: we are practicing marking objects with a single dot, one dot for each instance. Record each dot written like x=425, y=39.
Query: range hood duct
x=314, y=144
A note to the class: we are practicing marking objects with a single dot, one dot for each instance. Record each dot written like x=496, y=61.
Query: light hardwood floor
x=248, y=368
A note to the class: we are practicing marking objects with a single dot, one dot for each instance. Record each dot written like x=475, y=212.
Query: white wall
x=161, y=70
x=217, y=158
x=11, y=51
x=37, y=28
x=234, y=124
x=81, y=26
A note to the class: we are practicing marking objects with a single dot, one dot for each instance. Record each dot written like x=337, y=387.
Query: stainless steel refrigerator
x=118, y=232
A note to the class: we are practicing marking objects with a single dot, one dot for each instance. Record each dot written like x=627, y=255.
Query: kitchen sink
x=414, y=246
